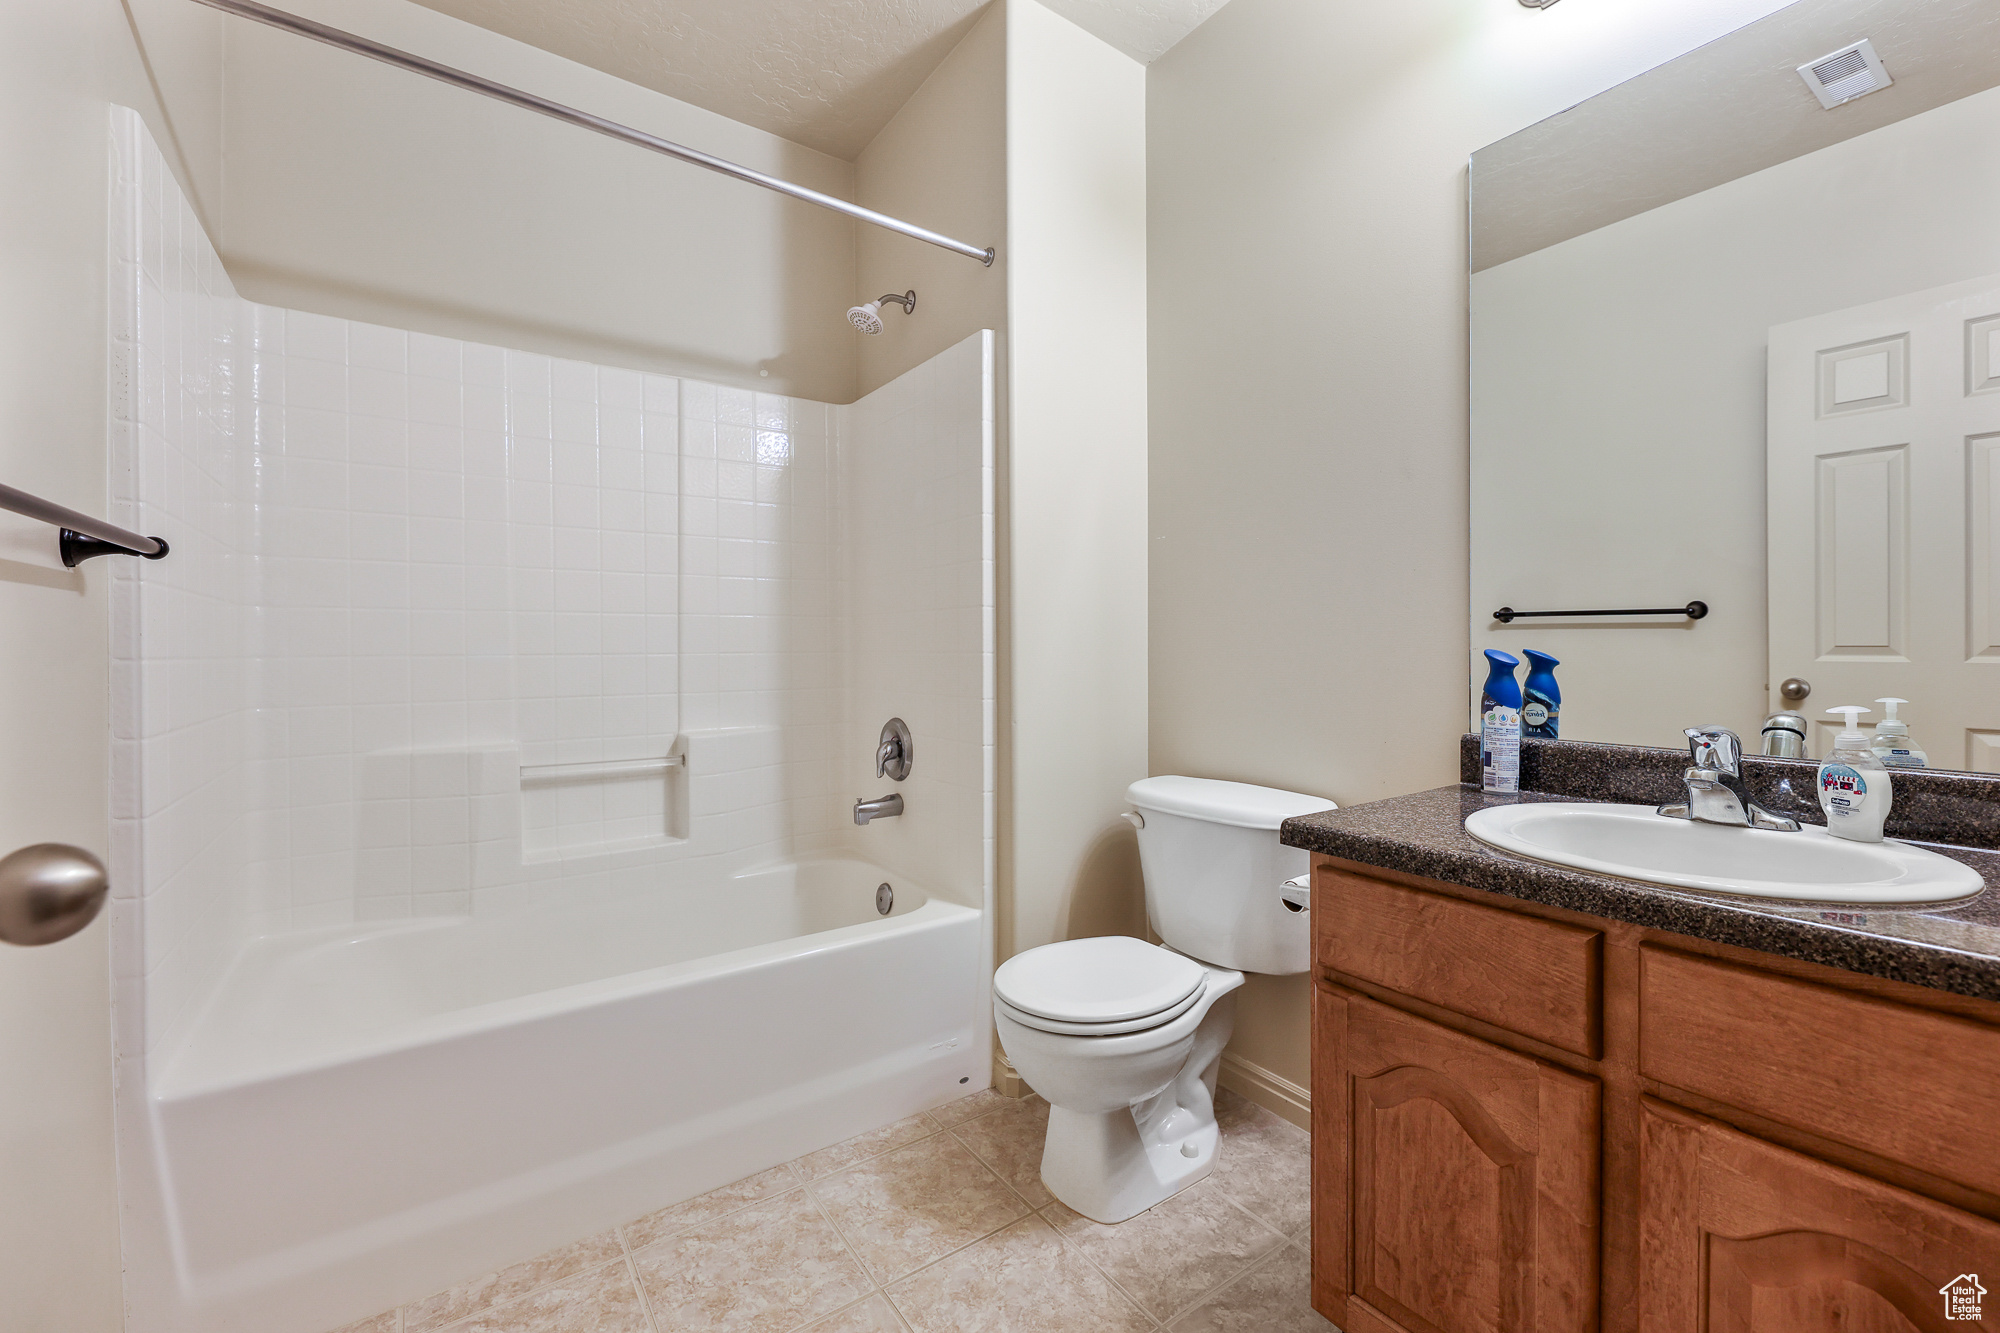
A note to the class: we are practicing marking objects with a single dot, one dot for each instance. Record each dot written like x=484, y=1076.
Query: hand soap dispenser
x=1893, y=745
x=1854, y=787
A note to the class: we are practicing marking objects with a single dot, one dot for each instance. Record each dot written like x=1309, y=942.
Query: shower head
x=868, y=318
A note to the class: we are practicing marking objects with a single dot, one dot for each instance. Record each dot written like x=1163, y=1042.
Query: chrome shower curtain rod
x=458, y=78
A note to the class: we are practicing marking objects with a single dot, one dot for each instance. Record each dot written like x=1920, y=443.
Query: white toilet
x=1124, y=1038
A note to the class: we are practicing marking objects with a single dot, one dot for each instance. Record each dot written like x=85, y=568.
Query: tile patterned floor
x=935, y=1224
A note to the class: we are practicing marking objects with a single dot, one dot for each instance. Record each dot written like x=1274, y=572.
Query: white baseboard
x=1271, y=1091
x=1007, y=1080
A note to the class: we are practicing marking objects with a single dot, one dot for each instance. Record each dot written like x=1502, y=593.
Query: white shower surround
x=404, y=568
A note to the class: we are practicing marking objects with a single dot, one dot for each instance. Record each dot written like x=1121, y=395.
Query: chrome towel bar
x=82, y=536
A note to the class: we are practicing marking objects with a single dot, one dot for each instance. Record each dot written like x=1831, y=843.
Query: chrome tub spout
x=882, y=807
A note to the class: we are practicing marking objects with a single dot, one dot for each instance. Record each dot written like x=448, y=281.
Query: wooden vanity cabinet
x=1527, y=1120
x=1470, y=1173
x=1741, y=1236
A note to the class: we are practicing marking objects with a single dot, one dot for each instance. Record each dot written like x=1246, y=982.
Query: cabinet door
x=1741, y=1236
x=1455, y=1182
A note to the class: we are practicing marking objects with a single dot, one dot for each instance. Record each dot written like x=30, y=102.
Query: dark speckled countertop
x=1955, y=947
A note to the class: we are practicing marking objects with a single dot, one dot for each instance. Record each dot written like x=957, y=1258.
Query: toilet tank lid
x=1218, y=802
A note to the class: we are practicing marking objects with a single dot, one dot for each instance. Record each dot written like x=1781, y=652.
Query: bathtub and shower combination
x=377, y=1110
x=484, y=762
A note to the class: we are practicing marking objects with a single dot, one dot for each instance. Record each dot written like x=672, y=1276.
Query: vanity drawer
x=1912, y=1085
x=1538, y=978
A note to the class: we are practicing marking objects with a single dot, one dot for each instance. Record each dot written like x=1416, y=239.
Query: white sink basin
x=1636, y=842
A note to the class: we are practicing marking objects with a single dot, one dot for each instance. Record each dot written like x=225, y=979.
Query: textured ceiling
x=1722, y=111
x=825, y=73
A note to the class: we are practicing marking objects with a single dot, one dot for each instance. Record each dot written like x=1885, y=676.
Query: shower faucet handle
x=895, y=752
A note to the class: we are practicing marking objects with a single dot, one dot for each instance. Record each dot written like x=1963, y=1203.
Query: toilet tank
x=1213, y=866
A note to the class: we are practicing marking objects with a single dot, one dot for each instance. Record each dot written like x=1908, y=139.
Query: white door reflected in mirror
x=1884, y=423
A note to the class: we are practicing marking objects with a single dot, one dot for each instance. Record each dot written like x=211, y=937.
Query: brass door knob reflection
x=48, y=892
x=1795, y=690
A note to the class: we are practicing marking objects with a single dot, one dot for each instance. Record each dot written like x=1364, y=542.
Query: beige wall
x=360, y=190
x=940, y=163
x=61, y=66
x=1308, y=463
x=181, y=50
x=1074, y=603
x=1579, y=407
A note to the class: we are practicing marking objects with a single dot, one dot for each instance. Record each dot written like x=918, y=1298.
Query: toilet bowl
x=1131, y=1099
x=1124, y=1038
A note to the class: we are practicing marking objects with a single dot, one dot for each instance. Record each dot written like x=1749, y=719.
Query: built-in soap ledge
x=600, y=770
x=597, y=807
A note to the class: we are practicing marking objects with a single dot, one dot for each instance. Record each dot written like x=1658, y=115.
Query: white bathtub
x=364, y=1115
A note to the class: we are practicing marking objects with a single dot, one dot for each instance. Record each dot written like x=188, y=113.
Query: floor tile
x=906, y=1208
x=1274, y=1297
x=1025, y=1279
x=381, y=1323
x=979, y=1103
x=1167, y=1256
x=874, y=1315
x=676, y=1218
x=1009, y=1139
x=940, y=1219
x=1264, y=1163
x=863, y=1146
x=602, y=1300
x=492, y=1289
x=770, y=1268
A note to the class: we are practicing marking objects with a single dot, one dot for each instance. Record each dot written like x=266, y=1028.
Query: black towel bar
x=1693, y=611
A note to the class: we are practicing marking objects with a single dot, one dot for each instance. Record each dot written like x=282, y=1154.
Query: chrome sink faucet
x=1716, y=793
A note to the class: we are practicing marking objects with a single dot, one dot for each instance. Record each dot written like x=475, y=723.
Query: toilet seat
x=1141, y=1024
x=1094, y=983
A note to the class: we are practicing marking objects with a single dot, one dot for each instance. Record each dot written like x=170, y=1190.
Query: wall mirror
x=1731, y=345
